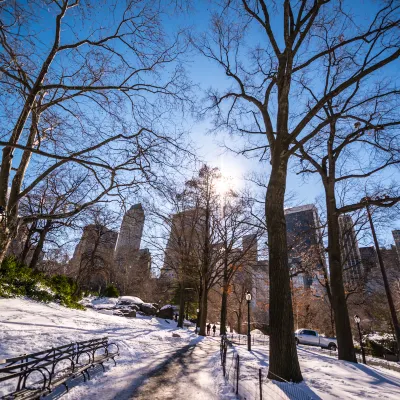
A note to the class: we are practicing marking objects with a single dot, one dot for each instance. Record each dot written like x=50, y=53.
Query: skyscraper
x=130, y=234
x=353, y=272
x=92, y=262
x=304, y=242
x=185, y=241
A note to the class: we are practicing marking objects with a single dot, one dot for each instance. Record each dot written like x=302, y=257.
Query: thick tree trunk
x=224, y=305
x=203, y=313
x=39, y=247
x=181, y=305
x=239, y=321
x=283, y=361
x=8, y=231
x=341, y=314
x=5, y=241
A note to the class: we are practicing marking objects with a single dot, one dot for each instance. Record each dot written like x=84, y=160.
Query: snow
x=165, y=307
x=145, y=343
x=325, y=377
x=131, y=299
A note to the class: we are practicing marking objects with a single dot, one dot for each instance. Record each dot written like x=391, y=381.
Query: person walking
x=214, y=328
x=208, y=328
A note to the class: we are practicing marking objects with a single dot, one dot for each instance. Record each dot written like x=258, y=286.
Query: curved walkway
x=186, y=376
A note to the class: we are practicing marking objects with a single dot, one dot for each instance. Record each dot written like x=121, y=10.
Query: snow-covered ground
x=325, y=377
x=145, y=343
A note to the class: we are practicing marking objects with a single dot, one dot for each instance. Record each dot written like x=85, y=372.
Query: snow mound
x=130, y=299
x=166, y=307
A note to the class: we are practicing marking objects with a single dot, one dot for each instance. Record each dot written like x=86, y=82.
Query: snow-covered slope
x=326, y=377
x=27, y=326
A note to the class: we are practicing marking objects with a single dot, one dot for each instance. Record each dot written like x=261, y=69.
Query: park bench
x=38, y=374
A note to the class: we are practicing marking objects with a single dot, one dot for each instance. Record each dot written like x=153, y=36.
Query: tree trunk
x=5, y=241
x=27, y=247
x=341, y=314
x=239, y=320
x=8, y=231
x=283, y=361
x=181, y=305
x=224, y=305
x=39, y=246
x=203, y=313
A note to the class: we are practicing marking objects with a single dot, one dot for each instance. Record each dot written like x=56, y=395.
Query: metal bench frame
x=79, y=356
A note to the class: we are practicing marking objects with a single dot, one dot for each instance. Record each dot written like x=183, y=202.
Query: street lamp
x=197, y=318
x=248, y=298
x=357, y=320
x=392, y=308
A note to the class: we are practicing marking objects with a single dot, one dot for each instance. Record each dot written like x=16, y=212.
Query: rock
x=148, y=309
x=130, y=314
x=128, y=307
x=176, y=335
x=166, y=313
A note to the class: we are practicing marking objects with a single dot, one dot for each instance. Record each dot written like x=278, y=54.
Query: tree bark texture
x=203, y=313
x=224, y=305
x=181, y=305
x=283, y=362
x=340, y=311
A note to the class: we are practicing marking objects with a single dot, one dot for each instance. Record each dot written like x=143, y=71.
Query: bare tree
x=92, y=265
x=86, y=86
x=359, y=140
x=237, y=241
x=268, y=104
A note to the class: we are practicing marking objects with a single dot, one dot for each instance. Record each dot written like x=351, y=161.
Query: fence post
x=237, y=374
x=260, y=382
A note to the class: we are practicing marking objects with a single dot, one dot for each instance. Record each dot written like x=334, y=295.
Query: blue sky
x=207, y=74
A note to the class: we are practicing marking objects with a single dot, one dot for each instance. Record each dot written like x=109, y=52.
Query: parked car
x=312, y=338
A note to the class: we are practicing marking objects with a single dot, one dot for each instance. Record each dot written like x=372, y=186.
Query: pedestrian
x=214, y=329
x=208, y=328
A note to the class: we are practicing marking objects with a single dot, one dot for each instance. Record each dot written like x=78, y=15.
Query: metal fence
x=251, y=383
x=242, y=339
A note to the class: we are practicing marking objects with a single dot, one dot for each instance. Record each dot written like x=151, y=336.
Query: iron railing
x=251, y=383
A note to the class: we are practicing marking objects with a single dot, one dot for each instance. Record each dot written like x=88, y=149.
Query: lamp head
x=248, y=296
x=357, y=319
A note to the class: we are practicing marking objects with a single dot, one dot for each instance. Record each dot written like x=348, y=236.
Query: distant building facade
x=92, y=262
x=185, y=241
x=353, y=272
x=103, y=256
x=305, y=244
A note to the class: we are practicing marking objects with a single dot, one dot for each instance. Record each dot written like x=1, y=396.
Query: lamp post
x=357, y=319
x=248, y=298
x=197, y=319
x=395, y=321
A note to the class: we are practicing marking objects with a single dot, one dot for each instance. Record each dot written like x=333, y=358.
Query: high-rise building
x=396, y=237
x=305, y=243
x=353, y=272
x=130, y=234
x=185, y=241
x=92, y=262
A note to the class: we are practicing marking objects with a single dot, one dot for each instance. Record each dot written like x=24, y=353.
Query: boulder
x=148, y=309
x=176, y=335
x=130, y=314
x=166, y=313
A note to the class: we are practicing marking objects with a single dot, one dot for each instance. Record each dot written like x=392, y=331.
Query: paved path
x=186, y=376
